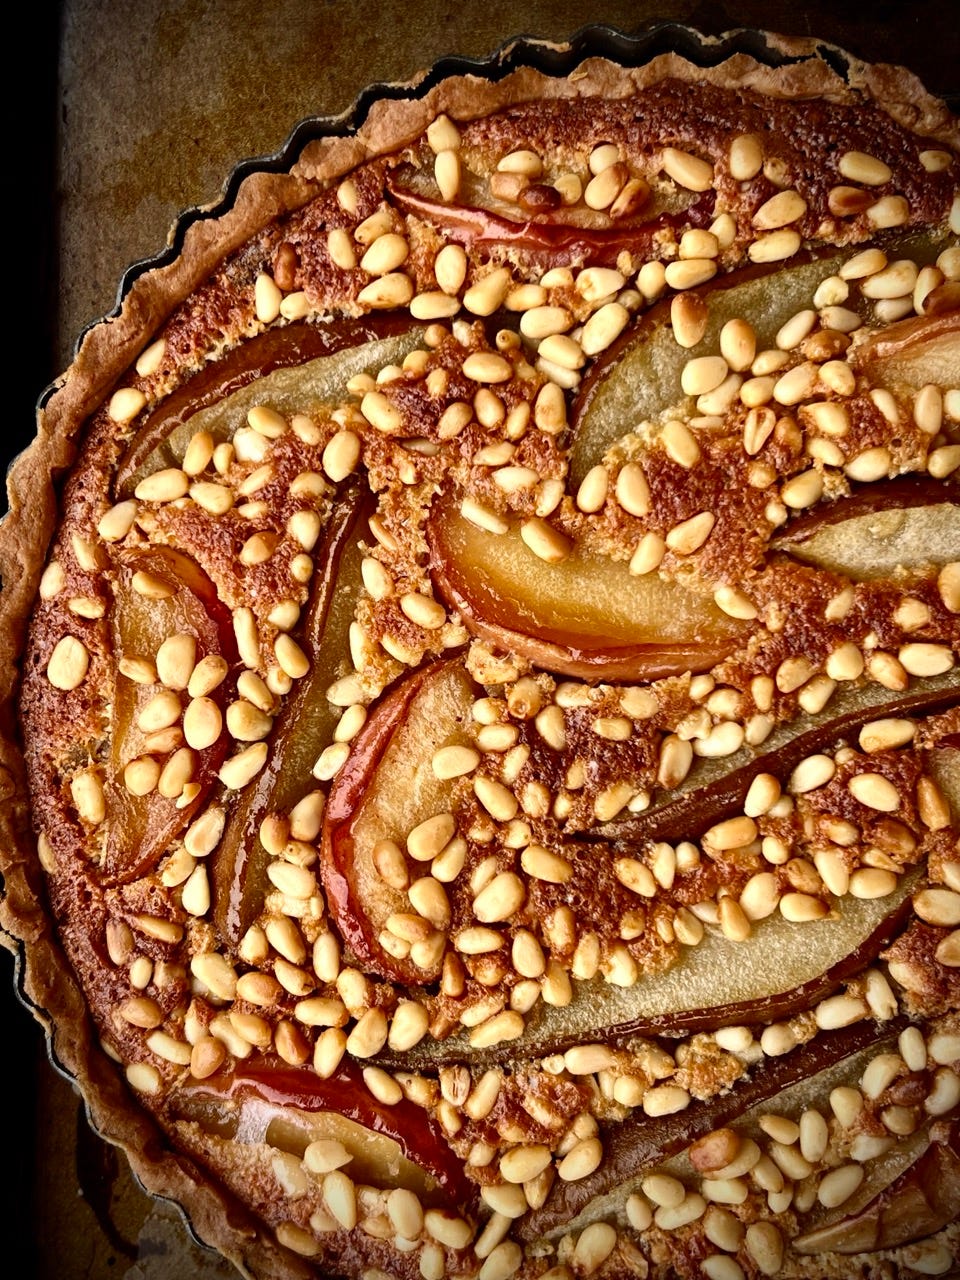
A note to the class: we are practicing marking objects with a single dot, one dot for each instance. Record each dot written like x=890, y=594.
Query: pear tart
x=482, y=788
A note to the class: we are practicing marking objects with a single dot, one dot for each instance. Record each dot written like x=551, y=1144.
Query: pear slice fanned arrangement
x=491, y=709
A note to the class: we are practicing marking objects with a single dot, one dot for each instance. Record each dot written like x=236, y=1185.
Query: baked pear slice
x=387, y=827
x=640, y=375
x=585, y=615
x=163, y=602
x=305, y=724
x=297, y=369
x=901, y=1193
x=287, y=1107
x=386, y=790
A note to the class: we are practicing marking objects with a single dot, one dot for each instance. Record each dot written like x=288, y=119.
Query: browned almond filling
x=492, y=707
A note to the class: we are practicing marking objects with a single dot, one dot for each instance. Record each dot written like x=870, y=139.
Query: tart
x=482, y=720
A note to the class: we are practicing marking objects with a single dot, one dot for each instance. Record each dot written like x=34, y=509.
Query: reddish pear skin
x=351, y=789
x=141, y=827
x=548, y=239
x=419, y=1137
x=239, y=867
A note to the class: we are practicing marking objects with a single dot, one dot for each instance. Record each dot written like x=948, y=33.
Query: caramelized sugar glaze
x=490, y=705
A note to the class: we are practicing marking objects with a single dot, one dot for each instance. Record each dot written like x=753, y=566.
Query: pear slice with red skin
x=638, y=377
x=140, y=827
x=923, y=1199
x=385, y=789
x=879, y=529
x=906, y=1195
x=639, y=374
x=587, y=616
x=162, y=436
x=641, y=1142
x=913, y=352
x=661, y=1002
x=268, y=1100
x=302, y=729
x=552, y=239
x=714, y=793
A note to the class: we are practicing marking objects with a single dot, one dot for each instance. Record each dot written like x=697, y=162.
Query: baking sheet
x=137, y=112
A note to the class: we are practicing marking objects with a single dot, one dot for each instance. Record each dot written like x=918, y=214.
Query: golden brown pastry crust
x=104, y=355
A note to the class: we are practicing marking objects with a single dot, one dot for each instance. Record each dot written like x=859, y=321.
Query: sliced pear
x=303, y=728
x=880, y=529
x=638, y=377
x=716, y=787
x=289, y=1107
x=641, y=1143
x=909, y=1192
x=586, y=616
x=560, y=237
x=298, y=369
x=385, y=790
x=141, y=826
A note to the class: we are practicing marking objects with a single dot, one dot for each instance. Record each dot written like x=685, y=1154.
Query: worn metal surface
x=140, y=110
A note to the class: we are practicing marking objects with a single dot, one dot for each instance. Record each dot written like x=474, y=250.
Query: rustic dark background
x=136, y=111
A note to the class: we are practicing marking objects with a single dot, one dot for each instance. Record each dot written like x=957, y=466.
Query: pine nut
x=202, y=723
x=813, y=772
x=746, y=157
x=691, y=1209
x=523, y=1163
x=633, y=492
x=665, y=1100
x=858, y=166
x=125, y=404
x=689, y=535
x=688, y=273
x=738, y=345
x=702, y=374
x=500, y=899
x=485, y=295
x=581, y=1160
x=765, y=1246
x=780, y=210
x=603, y=328
x=545, y=541
x=540, y=322
x=688, y=317
x=938, y=906
x=875, y=791
x=502, y=1262
x=775, y=246
x=543, y=864
x=720, y=1266
x=945, y=1094
x=429, y=837
x=687, y=170
x=68, y=664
